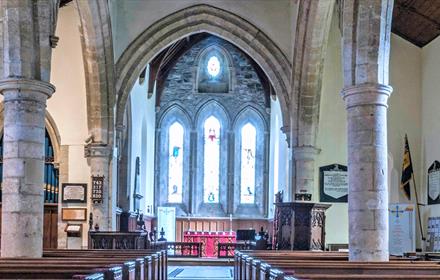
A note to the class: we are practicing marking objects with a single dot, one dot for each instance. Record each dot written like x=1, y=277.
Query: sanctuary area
x=219, y=139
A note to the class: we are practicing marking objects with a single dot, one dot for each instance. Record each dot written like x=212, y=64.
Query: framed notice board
x=97, y=189
x=333, y=183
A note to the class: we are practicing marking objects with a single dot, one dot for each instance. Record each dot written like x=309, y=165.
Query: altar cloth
x=209, y=240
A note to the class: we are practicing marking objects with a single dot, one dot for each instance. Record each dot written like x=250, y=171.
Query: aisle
x=200, y=272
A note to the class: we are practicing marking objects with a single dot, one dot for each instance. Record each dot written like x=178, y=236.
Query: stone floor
x=200, y=272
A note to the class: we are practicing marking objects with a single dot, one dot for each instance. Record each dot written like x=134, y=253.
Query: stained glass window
x=175, y=163
x=248, y=145
x=211, y=162
x=213, y=66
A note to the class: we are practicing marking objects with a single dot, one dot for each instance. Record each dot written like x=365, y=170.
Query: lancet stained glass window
x=211, y=162
x=247, y=181
x=175, y=163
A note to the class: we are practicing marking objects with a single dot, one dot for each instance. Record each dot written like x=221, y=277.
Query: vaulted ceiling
x=417, y=21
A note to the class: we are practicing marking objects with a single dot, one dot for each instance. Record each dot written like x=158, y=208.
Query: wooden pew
x=129, y=268
x=319, y=265
x=155, y=263
x=84, y=264
x=65, y=272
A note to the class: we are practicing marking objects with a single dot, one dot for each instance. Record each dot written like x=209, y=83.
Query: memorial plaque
x=74, y=193
x=333, y=182
x=402, y=229
x=74, y=214
x=434, y=183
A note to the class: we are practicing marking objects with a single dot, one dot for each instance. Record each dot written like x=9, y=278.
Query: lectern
x=299, y=226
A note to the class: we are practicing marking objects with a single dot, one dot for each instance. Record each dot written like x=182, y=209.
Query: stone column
x=98, y=156
x=27, y=32
x=304, y=158
x=367, y=171
x=23, y=166
x=366, y=45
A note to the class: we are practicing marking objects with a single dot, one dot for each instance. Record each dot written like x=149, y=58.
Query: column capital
x=305, y=152
x=366, y=94
x=97, y=150
x=26, y=85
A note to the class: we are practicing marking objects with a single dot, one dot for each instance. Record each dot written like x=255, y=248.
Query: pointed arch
x=313, y=25
x=197, y=19
x=178, y=111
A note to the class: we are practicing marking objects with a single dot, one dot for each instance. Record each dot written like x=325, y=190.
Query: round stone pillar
x=98, y=156
x=23, y=166
x=304, y=157
x=367, y=171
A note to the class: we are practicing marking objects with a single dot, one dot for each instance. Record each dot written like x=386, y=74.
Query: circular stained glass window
x=213, y=66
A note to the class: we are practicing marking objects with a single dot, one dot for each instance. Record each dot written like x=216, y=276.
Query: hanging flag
x=407, y=171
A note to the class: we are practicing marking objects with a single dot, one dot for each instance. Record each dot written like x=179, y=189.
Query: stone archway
x=197, y=19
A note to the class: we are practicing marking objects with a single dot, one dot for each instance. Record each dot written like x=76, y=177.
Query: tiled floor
x=200, y=272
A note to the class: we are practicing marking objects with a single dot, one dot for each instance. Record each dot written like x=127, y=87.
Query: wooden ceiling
x=417, y=21
x=64, y=2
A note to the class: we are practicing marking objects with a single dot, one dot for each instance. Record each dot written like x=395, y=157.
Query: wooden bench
x=279, y=265
x=88, y=265
x=155, y=262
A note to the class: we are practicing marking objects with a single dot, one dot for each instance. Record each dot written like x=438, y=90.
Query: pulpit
x=299, y=226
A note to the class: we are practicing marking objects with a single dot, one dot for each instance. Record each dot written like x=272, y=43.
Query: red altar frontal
x=209, y=240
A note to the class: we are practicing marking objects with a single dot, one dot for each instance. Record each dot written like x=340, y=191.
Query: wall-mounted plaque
x=434, y=183
x=97, y=189
x=333, y=183
x=75, y=193
x=74, y=214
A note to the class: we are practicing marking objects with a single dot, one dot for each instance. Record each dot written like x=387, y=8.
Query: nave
x=219, y=139
x=200, y=272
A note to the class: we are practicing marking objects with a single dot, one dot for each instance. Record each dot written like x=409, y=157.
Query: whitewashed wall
x=142, y=142
x=68, y=106
x=278, y=162
x=132, y=17
x=430, y=120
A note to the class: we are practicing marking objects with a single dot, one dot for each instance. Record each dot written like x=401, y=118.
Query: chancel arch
x=199, y=19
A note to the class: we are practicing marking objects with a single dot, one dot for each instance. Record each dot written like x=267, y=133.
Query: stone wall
x=180, y=100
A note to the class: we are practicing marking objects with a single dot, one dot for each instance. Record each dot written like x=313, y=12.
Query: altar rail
x=226, y=250
x=184, y=249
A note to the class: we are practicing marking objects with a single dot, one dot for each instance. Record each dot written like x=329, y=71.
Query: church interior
x=219, y=139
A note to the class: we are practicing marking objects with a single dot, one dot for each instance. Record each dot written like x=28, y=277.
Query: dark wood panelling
x=50, y=235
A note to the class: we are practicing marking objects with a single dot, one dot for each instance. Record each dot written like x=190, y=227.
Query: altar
x=209, y=240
